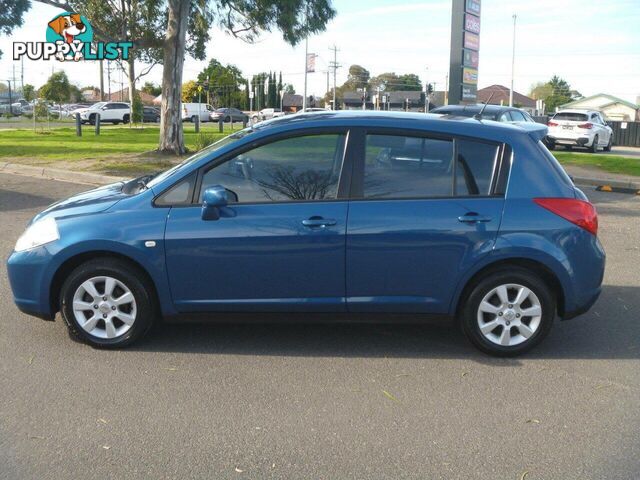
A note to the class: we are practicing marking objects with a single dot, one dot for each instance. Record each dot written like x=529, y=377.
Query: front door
x=420, y=221
x=280, y=246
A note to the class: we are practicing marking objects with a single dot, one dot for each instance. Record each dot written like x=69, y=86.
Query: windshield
x=98, y=105
x=202, y=153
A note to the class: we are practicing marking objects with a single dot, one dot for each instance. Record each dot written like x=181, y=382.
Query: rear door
x=423, y=209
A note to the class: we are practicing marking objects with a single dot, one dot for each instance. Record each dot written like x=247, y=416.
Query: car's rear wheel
x=594, y=145
x=107, y=303
x=194, y=119
x=508, y=312
x=125, y=118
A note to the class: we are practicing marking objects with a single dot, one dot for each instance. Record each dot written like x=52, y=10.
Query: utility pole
x=426, y=92
x=101, y=80
x=513, y=60
x=109, y=78
x=22, y=74
x=334, y=65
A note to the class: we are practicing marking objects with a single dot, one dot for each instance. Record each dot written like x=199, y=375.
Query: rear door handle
x=473, y=217
x=318, y=222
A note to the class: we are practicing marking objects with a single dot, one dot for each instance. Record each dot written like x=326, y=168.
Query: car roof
x=475, y=108
x=409, y=120
x=576, y=110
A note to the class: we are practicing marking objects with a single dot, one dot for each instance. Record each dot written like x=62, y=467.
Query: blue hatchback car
x=351, y=215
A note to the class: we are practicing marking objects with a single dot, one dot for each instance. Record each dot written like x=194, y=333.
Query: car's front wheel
x=107, y=303
x=508, y=312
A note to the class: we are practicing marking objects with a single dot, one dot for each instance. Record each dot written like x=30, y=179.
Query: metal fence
x=625, y=134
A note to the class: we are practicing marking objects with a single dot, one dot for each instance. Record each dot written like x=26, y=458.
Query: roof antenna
x=478, y=116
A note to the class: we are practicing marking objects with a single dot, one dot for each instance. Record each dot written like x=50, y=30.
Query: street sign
x=250, y=93
x=199, y=88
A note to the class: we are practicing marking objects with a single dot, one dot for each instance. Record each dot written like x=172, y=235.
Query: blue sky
x=593, y=44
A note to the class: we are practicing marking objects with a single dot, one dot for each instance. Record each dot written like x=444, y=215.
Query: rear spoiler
x=537, y=131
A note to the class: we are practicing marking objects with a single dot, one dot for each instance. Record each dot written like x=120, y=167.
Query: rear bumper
x=578, y=142
x=585, y=307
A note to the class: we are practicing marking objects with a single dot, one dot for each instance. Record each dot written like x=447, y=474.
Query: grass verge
x=608, y=163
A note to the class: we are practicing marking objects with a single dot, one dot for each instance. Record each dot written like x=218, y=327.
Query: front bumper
x=28, y=277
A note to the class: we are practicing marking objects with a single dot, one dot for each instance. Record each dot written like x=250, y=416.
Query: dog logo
x=72, y=29
x=69, y=36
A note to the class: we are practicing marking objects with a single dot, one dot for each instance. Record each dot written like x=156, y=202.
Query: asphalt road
x=302, y=401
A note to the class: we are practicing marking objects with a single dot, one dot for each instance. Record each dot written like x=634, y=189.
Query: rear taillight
x=578, y=212
x=587, y=125
x=552, y=124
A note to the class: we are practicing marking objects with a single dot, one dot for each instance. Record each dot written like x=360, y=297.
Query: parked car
x=579, y=128
x=266, y=114
x=228, y=115
x=110, y=112
x=191, y=111
x=497, y=113
x=445, y=219
x=150, y=115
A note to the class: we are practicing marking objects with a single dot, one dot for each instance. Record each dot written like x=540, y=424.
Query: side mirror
x=213, y=199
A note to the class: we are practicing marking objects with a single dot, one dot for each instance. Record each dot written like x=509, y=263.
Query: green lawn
x=63, y=144
x=608, y=163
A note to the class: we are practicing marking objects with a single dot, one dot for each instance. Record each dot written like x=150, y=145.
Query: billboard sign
x=469, y=93
x=470, y=58
x=470, y=76
x=473, y=7
x=472, y=23
x=471, y=41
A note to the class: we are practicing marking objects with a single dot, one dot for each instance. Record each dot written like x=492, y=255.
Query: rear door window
x=399, y=166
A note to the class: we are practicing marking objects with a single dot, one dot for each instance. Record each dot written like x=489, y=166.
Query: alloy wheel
x=104, y=307
x=509, y=315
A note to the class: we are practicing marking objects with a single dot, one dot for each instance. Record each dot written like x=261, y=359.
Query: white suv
x=579, y=128
x=114, y=112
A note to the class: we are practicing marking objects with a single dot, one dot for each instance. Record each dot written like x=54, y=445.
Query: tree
x=11, y=15
x=555, y=92
x=358, y=78
x=57, y=89
x=151, y=88
x=225, y=84
x=288, y=88
x=137, y=21
x=29, y=92
x=190, y=91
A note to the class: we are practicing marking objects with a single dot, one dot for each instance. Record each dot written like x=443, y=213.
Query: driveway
x=323, y=401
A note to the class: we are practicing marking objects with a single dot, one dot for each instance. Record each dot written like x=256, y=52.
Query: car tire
x=92, y=119
x=487, y=312
x=125, y=118
x=109, y=320
x=194, y=118
x=116, y=122
x=227, y=119
x=609, y=145
x=157, y=120
x=594, y=145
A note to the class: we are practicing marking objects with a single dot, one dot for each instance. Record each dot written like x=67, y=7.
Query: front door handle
x=473, y=217
x=318, y=222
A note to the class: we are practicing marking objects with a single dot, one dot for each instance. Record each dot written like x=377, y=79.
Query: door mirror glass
x=214, y=198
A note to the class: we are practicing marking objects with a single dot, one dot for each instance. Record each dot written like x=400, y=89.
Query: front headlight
x=37, y=234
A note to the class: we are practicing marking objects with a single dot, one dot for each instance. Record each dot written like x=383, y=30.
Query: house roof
x=93, y=95
x=611, y=99
x=501, y=96
x=291, y=100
